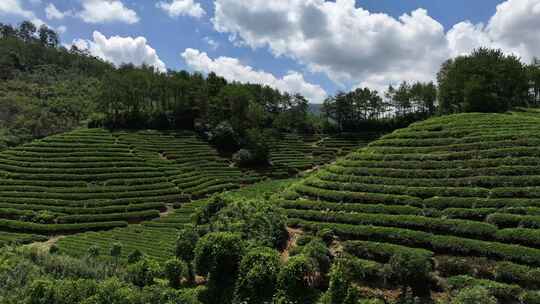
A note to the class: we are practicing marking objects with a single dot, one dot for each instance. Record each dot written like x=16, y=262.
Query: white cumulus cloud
x=106, y=11
x=54, y=13
x=120, y=50
x=15, y=8
x=233, y=70
x=177, y=8
x=355, y=46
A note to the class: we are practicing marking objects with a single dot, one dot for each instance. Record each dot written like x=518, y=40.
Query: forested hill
x=48, y=89
x=44, y=88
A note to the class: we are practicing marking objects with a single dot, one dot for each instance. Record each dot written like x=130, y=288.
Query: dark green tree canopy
x=485, y=81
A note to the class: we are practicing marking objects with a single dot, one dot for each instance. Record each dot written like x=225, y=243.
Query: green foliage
x=256, y=220
x=257, y=276
x=319, y=252
x=116, y=250
x=93, y=252
x=295, y=277
x=413, y=270
x=341, y=290
x=224, y=137
x=173, y=270
x=485, y=81
x=142, y=273
x=112, y=291
x=135, y=256
x=185, y=243
x=42, y=292
x=218, y=256
x=474, y=295
x=204, y=214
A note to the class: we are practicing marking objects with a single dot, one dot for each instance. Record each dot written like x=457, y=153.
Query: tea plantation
x=93, y=179
x=156, y=238
x=463, y=190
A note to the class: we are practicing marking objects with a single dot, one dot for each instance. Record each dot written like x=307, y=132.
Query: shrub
x=116, y=250
x=93, y=251
x=474, y=295
x=327, y=235
x=503, y=292
x=217, y=256
x=204, y=214
x=142, y=273
x=135, y=256
x=244, y=158
x=42, y=292
x=112, y=291
x=257, y=278
x=185, y=249
x=224, y=137
x=340, y=289
x=412, y=270
x=174, y=270
x=255, y=220
x=319, y=252
x=294, y=279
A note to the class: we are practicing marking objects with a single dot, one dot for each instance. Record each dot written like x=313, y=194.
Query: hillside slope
x=94, y=179
x=463, y=188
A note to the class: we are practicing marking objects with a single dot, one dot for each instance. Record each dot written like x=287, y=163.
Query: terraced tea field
x=190, y=163
x=93, y=179
x=463, y=189
x=156, y=238
x=80, y=181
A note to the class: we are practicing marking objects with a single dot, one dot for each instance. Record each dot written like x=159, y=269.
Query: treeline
x=47, y=89
x=487, y=80
x=364, y=109
x=141, y=97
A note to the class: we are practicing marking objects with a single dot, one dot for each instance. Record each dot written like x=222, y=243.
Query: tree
x=485, y=81
x=261, y=223
x=294, y=279
x=142, y=273
x=26, y=31
x=174, y=269
x=42, y=292
x=257, y=279
x=116, y=250
x=185, y=249
x=218, y=256
x=48, y=37
x=410, y=269
x=135, y=256
x=341, y=290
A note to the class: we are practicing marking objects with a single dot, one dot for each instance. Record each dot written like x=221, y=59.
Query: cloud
x=15, y=8
x=120, y=50
x=514, y=27
x=177, y=8
x=53, y=13
x=233, y=70
x=61, y=29
x=355, y=46
x=106, y=11
x=214, y=45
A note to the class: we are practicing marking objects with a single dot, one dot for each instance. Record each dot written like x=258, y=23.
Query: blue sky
x=308, y=51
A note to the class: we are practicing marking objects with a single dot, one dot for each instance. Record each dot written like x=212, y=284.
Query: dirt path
x=45, y=246
x=169, y=211
x=291, y=243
